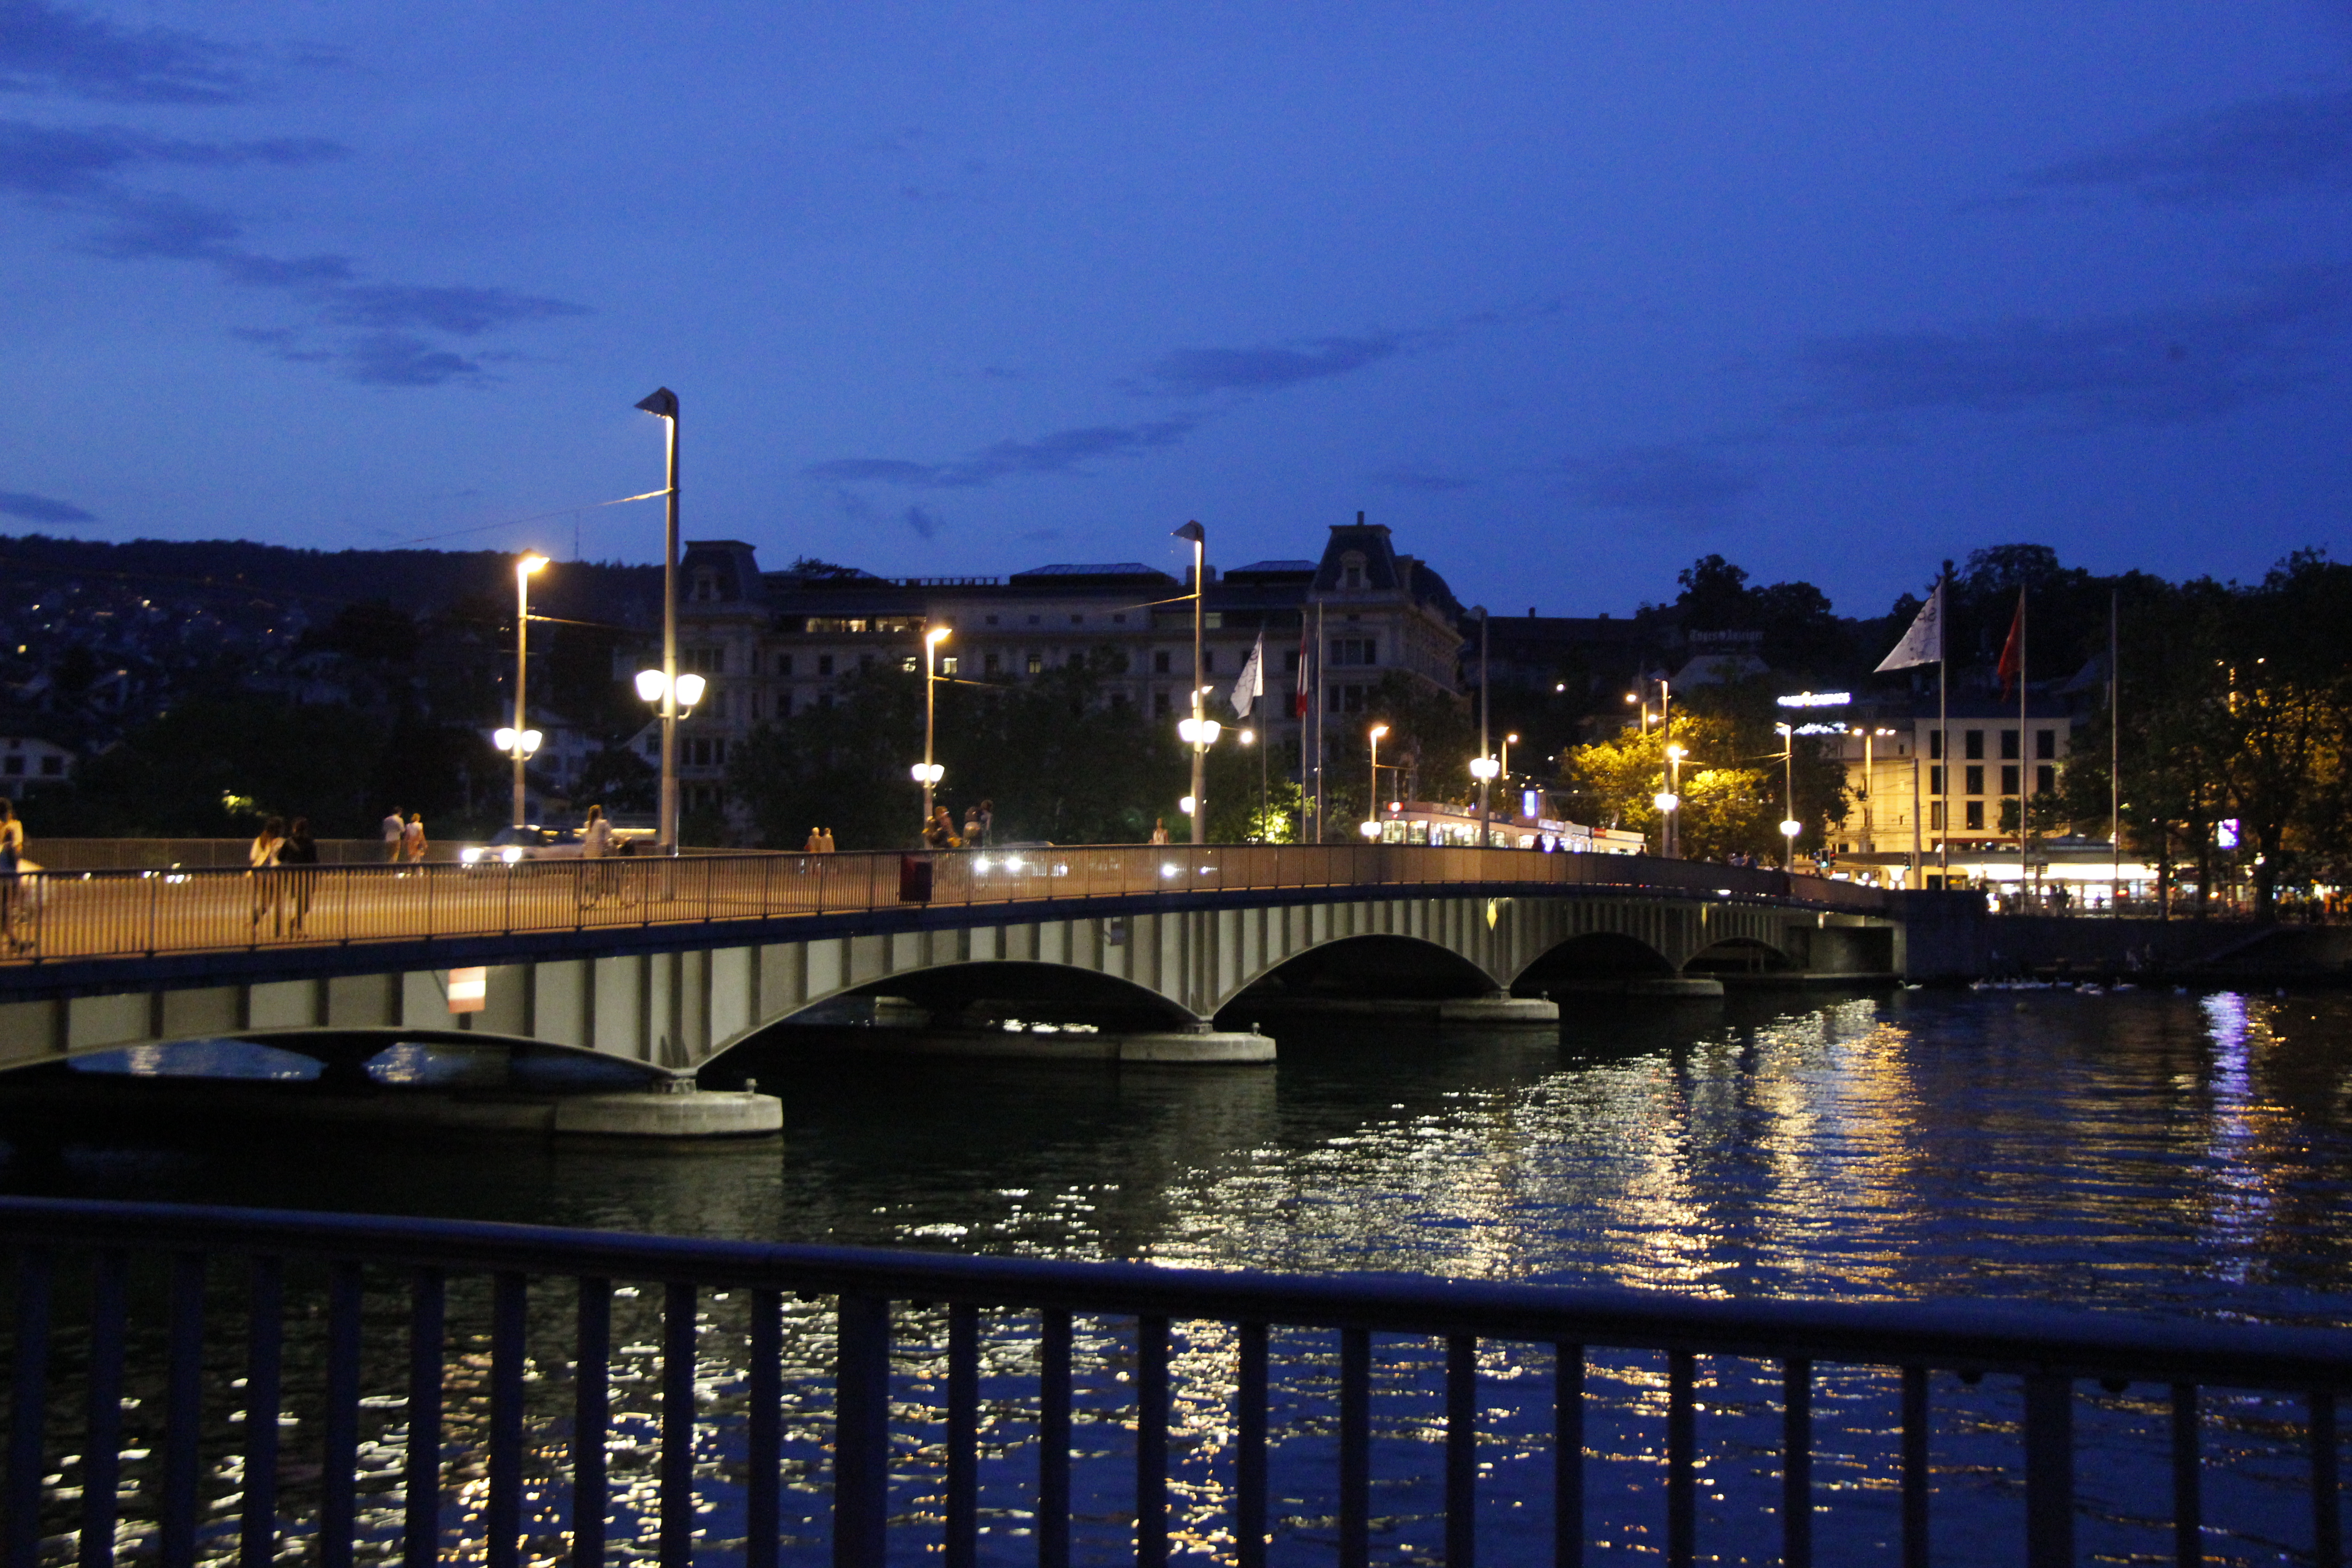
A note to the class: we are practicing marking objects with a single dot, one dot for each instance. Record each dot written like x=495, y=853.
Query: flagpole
x=1944, y=730
x=2115, y=753
x=1318, y=723
x=2024, y=750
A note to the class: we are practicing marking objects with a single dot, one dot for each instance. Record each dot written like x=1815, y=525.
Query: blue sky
x=1566, y=294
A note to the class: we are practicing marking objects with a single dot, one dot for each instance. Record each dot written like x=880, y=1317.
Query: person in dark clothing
x=300, y=851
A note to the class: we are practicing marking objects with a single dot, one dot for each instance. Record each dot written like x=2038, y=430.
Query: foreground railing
x=370, y=1310
x=96, y=914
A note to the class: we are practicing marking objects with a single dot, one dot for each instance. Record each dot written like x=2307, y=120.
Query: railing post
x=1915, y=1478
x=183, y=1411
x=2327, y=1517
x=28, y=1402
x=861, y=1434
x=1249, y=1450
x=590, y=1420
x=1461, y=1451
x=1150, y=1441
x=1354, y=1447
x=1054, y=1440
x=677, y=1482
x=1682, y=1442
x=502, y=1519
x=2188, y=1503
x=264, y=1359
x=2048, y=1470
x=1567, y=1457
x=963, y=1438
x=101, y=1454
x=1797, y=1464
x=339, y=1480
x=420, y=1538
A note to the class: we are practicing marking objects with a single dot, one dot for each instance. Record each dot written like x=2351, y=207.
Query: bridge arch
x=1589, y=958
x=1739, y=955
x=1380, y=965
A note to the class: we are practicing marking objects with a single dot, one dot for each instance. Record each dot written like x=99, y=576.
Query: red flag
x=1299, y=701
x=2013, y=652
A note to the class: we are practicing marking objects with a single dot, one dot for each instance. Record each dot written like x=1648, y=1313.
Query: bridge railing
x=238, y=1359
x=53, y=916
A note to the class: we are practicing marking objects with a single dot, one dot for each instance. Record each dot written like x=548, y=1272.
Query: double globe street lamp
x=516, y=741
x=927, y=773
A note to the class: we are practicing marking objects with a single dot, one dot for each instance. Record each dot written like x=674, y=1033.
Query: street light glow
x=1369, y=828
x=690, y=689
x=1665, y=800
x=936, y=636
x=1484, y=768
x=1379, y=730
x=528, y=562
x=650, y=683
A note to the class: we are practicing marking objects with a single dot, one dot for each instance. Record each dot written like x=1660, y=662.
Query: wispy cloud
x=927, y=524
x=1401, y=477
x=2155, y=366
x=52, y=48
x=1198, y=371
x=1679, y=482
x=2247, y=152
x=55, y=161
x=1063, y=452
x=41, y=508
x=84, y=170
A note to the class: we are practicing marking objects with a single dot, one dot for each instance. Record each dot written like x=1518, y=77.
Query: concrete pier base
x=1683, y=985
x=1171, y=1048
x=660, y=1113
x=1498, y=1009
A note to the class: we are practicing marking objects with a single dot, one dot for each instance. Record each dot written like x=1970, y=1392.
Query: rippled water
x=2146, y=1153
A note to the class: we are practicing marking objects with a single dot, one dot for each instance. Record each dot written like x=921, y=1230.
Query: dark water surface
x=2145, y=1152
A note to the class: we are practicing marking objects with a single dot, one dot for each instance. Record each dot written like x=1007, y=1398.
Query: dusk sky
x=1565, y=294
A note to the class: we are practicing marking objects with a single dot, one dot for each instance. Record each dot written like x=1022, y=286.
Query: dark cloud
x=52, y=161
x=1063, y=452
x=1677, y=481
x=50, y=49
x=2156, y=366
x=465, y=313
x=2273, y=146
x=400, y=359
x=1407, y=478
x=925, y=523
x=1192, y=372
x=41, y=508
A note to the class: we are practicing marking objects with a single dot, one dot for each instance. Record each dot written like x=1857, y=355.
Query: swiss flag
x=2013, y=652
x=1299, y=700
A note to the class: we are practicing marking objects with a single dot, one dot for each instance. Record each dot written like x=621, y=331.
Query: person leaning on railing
x=12, y=861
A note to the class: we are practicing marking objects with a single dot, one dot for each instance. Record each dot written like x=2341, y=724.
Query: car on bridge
x=533, y=842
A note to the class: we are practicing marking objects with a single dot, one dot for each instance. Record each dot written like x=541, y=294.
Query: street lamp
x=525, y=564
x=1789, y=826
x=1667, y=801
x=1372, y=801
x=1192, y=531
x=1672, y=834
x=1485, y=816
x=927, y=772
x=675, y=700
x=662, y=403
x=1508, y=742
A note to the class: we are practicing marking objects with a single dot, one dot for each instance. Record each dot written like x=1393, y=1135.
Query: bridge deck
x=98, y=915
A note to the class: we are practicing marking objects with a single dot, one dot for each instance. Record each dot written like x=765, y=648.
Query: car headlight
x=469, y=855
x=510, y=853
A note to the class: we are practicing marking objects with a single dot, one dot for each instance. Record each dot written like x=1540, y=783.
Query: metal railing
x=52, y=916
x=391, y=1313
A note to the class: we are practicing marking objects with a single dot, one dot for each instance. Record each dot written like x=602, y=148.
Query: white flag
x=1924, y=643
x=1252, y=682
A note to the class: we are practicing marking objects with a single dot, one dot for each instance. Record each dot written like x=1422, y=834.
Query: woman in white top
x=268, y=887
x=12, y=860
x=595, y=843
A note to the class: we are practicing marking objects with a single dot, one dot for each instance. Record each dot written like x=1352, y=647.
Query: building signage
x=1817, y=699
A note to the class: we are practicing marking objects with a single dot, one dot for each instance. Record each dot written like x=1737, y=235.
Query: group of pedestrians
x=979, y=828
x=820, y=842
x=285, y=865
x=404, y=837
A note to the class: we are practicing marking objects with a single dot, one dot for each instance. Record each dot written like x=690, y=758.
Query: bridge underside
x=1158, y=966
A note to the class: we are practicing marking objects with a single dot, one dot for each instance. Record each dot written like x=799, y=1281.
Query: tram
x=1429, y=822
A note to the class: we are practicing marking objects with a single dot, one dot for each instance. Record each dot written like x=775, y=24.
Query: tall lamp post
x=1485, y=816
x=662, y=403
x=520, y=741
x=1673, y=823
x=927, y=771
x=1202, y=733
x=1373, y=800
x=1789, y=826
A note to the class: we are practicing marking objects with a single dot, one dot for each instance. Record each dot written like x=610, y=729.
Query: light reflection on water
x=2142, y=1152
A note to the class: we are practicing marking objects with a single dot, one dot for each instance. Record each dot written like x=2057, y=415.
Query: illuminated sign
x=467, y=989
x=1821, y=730
x=1817, y=699
x=1530, y=803
x=2225, y=833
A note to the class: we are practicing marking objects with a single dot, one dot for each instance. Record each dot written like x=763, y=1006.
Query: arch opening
x=1370, y=968
x=1739, y=956
x=1596, y=960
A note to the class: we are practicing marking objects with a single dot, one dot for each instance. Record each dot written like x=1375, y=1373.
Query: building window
x=1355, y=651
x=1208, y=660
x=988, y=664
x=1347, y=699
x=783, y=664
x=15, y=767
x=1935, y=781
x=2008, y=745
x=1291, y=662
x=1972, y=745
x=784, y=704
x=907, y=665
x=1976, y=816
x=1118, y=702
x=2045, y=744
x=1936, y=745
x=706, y=587
x=948, y=664
x=1935, y=814
x=2045, y=778
x=1975, y=779
x=653, y=745
x=1160, y=657
x=1159, y=704
x=824, y=700
x=1352, y=571
x=1036, y=662
x=2008, y=780
x=705, y=660
x=825, y=664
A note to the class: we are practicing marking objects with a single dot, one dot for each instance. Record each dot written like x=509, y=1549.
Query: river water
x=2147, y=1153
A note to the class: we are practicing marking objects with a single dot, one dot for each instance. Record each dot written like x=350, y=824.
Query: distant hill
x=420, y=581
